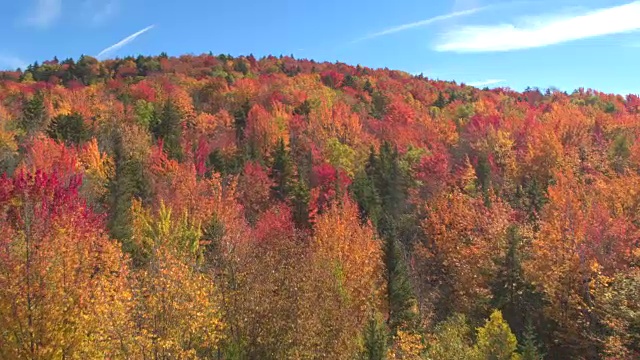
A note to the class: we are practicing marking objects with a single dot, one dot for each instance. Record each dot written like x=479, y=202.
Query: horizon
x=566, y=44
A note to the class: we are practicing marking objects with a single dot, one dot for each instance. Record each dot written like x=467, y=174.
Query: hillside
x=216, y=207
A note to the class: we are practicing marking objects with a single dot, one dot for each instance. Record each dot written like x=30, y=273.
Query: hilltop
x=276, y=208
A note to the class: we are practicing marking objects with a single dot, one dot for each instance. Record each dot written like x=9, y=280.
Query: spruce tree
x=366, y=195
x=281, y=171
x=530, y=349
x=69, y=129
x=387, y=196
x=512, y=294
x=451, y=340
x=128, y=182
x=441, y=101
x=402, y=302
x=300, y=197
x=240, y=121
x=168, y=128
x=33, y=114
x=375, y=339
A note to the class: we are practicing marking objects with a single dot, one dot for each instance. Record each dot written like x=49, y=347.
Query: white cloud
x=11, y=62
x=420, y=23
x=45, y=13
x=124, y=41
x=542, y=31
x=486, y=82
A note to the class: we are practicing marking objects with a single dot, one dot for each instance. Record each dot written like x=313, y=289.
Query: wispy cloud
x=11, y=62
x=124, y=41
x=420, y=23
x=98, y=11
x=541, y=31
x=486, y=82
x=44, y=13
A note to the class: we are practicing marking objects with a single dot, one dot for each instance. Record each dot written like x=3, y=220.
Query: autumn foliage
x=219, y=207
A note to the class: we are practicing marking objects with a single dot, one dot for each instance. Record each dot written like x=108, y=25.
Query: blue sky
x=562, y=43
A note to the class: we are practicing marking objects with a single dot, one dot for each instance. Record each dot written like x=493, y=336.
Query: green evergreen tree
x=366, y=195
x=128, y=182
x=402, y=302
x=375, y=339
x=512, y=293
x=530, y=349
x=379, y=104
x=240, y=121
x=441, y=101
x=33, y=114
x=300, y=197
x=483, y=171
x=69, y=129
x=389, y=181
x=383, y=192
x=168, y=128
x=281, y=171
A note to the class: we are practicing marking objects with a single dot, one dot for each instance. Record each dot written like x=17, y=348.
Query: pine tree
x=389, y=181
x=168, y=129
x=366, y=195
x=281, y=171
x=69, y=129
x=375, y=340
x=402, y=302
x=440, y=102
x=300, y=197
x=387, y=197
x=128, y=182
x=530, y=349
x=512, y=293
x=240, y=121
x=33, y=114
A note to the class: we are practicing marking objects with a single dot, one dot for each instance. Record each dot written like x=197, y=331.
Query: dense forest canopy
x=219, y=207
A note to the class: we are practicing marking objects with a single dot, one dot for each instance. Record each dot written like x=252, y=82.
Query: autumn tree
x=351, y=256
x=495, y=340
x=451, y=340
x=177, y=312
x=65, y=285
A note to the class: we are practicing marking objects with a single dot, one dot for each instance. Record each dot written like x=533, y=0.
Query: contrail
x=416, y=24
x=124, y=41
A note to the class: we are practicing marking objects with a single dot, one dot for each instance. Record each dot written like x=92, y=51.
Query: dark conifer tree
x=168, y=128
x=281, y=171
x=69, y=129
x=33, y=114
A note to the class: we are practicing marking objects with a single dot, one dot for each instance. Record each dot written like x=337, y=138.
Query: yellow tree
x=177, y=309
x=495, y=340
x=348, y=256
x=64, y=291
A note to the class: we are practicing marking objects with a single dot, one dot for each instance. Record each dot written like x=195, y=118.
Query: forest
x=221, y=207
